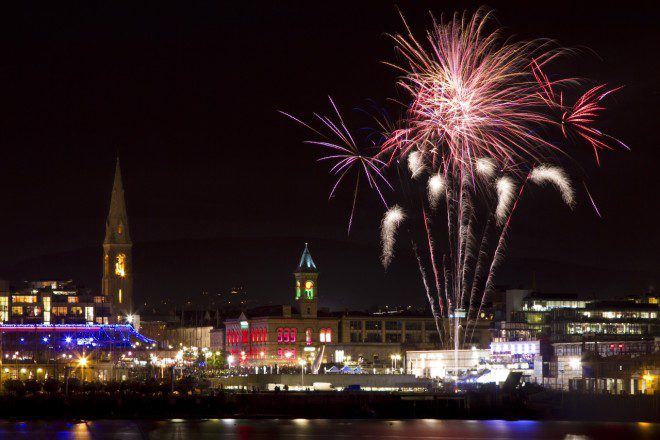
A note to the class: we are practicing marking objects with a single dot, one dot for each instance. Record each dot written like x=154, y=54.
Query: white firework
x=556, y=176
x=415, y=164
x=436, y=189
x=486, y=167
x=388, y=227
x=506, y=190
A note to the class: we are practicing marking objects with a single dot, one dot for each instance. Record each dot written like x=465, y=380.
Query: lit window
x=297, y=289
x=98, y=299
x=120, y=265
x=24, y=299
x=286, y=335
x=72, y=299
x=308, y=336
x=328, y=335
x=294, y=334
x=279, y=335
x=322, y=335
x=17, y=311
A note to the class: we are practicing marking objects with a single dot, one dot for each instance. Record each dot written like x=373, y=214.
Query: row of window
x=290, y=334
x=56, y=311
x=32, y=299
x=389, y=325
x=391, y=337
x=244, y=336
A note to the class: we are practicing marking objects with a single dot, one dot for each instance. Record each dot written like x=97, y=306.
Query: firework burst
x=348, y=157
x=478, y=119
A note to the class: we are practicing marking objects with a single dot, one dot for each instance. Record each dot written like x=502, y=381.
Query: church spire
x=116, y=226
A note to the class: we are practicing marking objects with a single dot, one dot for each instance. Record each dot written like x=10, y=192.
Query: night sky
x=188, y=95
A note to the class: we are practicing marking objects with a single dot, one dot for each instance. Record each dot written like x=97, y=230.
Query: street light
x=82, y=362
x=230, y=360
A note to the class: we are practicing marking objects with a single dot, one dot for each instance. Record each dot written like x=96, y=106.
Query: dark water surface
x=324, y=429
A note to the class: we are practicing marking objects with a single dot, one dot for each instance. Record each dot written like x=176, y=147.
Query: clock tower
x=306, y=289
x=117, y=284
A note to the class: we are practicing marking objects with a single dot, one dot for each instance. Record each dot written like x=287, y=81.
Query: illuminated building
x=282, y=334
x=117, y=283
x=609, y=319
x=42, y=351
x=52, y=301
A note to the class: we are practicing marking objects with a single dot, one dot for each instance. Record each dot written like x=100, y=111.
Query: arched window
x=286, y=335
x=279, y=335
x=120, y=265
x=328, y=335
x=297, y=289
x=309, y=289
x=294, y=334
x=322, y=335
x=308, y=336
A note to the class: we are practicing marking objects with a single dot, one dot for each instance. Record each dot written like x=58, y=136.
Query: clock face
x=309, y=289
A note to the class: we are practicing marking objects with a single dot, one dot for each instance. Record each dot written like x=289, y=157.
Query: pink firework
x=473, y=96
x=348, y=157
x=582, y=116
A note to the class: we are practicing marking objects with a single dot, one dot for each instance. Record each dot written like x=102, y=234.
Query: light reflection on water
x=272, y=429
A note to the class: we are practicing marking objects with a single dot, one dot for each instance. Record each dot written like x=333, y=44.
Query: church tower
x=306, y=294
x=117, y=285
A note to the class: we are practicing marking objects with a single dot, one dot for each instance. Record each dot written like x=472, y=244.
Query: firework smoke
x=556, y=176
x=388, y=227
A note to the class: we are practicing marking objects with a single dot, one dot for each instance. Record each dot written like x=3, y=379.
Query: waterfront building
x=609, y=319
x=441, y=364
x=285, y=334
x=198, y=336
x=52, y=302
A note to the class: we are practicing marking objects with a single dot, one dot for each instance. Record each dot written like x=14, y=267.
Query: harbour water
x=272, y=429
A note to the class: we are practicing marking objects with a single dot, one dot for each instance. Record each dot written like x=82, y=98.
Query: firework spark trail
x=505, y=197
x=481, y=256
x=436, y=189
x=543, y=174
x=432, y=258
x=498, y=253
x=591, y=199
x=391, y=221
x=422, y=272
